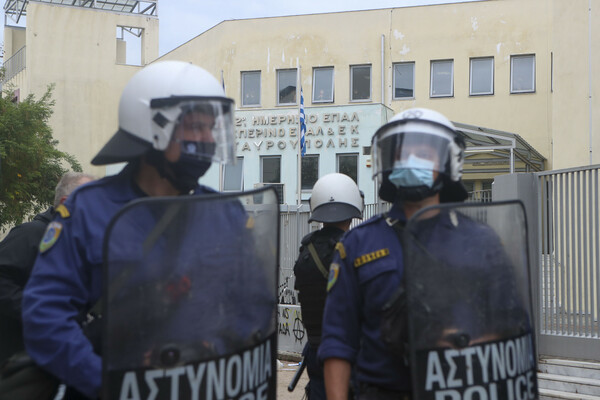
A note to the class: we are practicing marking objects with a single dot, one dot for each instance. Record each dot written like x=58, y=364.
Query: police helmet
x=335, y=198
x=417, y=154
x=159, y=97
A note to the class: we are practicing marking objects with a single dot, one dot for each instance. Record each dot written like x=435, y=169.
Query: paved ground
x=285, y=372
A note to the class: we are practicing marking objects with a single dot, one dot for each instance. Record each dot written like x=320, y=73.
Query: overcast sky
x=182, y=20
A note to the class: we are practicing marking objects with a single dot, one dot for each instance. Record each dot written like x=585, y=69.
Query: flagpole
x=221, y=166
x=299, y=156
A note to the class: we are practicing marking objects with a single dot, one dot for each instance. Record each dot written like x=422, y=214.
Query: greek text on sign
x=245, y=376
x=504, y=369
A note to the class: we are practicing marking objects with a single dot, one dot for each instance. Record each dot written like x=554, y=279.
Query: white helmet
x=423, y=141
x=153, y=102
x=335, y=197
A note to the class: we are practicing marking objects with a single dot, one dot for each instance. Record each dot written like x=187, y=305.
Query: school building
x=516, y=77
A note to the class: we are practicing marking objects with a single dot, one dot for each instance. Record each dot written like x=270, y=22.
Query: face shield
x=202, y=128
x=422, y=152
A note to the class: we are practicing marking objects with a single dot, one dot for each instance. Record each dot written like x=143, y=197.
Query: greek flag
x=302, y=124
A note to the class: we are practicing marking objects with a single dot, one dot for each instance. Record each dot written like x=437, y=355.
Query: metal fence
x=14, y=64
x=294, y=225
x=568, y=226
x=480, y=196
x=569, y=244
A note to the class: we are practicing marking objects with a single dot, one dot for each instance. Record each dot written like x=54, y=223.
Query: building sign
x=331, y=131
x=341, y=129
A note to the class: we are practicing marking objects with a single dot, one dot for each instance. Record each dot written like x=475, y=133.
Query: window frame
x=278, y=72
x=304, y=188
x=512, y=76
x=431, y=78
x=476, y=59
x=262, y=172
x=352, y=67
x=314, y=84
x=242, y=86
x=404, y=63
x=239, y=162
x=337, y=163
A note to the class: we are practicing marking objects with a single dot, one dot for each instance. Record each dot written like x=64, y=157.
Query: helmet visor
x=394, y=149
x=204, y=129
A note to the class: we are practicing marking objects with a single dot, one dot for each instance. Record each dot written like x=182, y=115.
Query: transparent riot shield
x=191, y=298
x=471, y=332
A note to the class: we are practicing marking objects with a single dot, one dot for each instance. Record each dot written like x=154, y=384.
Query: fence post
x=525, y=187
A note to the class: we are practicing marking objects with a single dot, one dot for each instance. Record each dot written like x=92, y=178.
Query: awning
x=496, y=152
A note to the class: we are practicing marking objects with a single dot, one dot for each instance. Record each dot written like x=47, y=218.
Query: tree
x=30, y=163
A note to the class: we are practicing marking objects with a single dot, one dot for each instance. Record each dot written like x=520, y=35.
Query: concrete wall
x=556, y=116
x=75, y=49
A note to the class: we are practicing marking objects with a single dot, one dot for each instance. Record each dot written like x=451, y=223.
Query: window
x=360, y=82
x=348, y=164
x=442, y=78
x=404, y=80
x=482, y=76
x=469, y=186
x=522, y=74
x=250, y=89
x=233, y=176
x=323, y=85
x=310, y=171
x=270, y=169
x=286, y=86
x=130, y=42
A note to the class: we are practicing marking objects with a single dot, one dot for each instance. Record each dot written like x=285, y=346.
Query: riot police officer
x=174, y=121
x=335, y=201
x=418, y=159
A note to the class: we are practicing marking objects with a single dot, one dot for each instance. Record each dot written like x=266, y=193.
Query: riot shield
x=471, y=332
x=190, y=291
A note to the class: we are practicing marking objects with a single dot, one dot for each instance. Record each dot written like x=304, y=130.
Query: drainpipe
x=383, y=68
x=590, y=75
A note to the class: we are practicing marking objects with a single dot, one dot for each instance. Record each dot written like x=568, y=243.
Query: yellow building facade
x=519, y=78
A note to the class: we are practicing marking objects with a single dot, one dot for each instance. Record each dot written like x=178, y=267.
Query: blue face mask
x=412, y=173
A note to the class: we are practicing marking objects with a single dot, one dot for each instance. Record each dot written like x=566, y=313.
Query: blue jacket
x=368, y=269
x=67, y=280
x=352, y=318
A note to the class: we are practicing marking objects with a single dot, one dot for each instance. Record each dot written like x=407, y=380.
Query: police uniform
x=67, y=278
x=311, y=284
x=366, y=271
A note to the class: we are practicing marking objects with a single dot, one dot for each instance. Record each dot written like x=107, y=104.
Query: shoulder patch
x=63, y=211
x=334, y=271
x=51, y=236
x=374, y=255
x=250, y=223
x=340, y=248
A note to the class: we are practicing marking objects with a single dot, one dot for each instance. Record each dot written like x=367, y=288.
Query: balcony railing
x=14, y=65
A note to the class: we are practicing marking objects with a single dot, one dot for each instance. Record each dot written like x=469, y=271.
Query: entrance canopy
x=496, y=152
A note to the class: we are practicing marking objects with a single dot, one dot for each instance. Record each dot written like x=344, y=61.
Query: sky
x=182, y=20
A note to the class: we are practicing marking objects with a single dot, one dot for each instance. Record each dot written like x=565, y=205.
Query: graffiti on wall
x=291, y=332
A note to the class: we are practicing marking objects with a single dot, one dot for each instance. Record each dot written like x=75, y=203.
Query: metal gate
x=569, y=248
